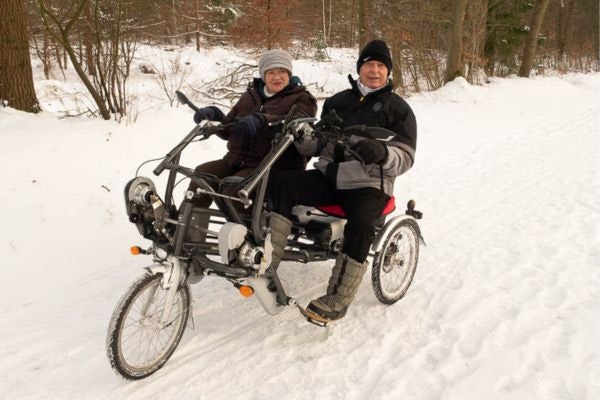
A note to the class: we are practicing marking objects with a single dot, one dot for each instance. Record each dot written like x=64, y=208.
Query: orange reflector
x=246, y=291
x=135, y=250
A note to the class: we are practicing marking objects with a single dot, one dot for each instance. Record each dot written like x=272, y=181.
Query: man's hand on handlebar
x=303, y=131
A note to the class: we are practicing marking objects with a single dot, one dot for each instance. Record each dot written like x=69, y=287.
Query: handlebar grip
x=182, y=98
x=160, y=167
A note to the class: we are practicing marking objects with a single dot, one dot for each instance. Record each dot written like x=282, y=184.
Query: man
x=361, y=187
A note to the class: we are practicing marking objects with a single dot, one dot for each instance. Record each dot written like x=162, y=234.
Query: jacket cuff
x=387, y=155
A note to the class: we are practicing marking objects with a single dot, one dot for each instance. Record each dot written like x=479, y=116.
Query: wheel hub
x=151, y=324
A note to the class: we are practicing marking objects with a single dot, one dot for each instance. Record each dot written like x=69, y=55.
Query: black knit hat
x=375, y=50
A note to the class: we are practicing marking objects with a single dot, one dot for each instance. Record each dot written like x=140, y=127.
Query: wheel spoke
x=396, y=264
x=143, y=342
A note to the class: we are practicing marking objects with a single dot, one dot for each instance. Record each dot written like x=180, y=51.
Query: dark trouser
x=363, y=206
x=220, y=169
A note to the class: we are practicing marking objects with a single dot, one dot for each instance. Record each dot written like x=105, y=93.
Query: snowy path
x=505, y=303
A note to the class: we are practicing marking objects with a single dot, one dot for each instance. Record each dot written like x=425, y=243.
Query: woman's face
x=373, y=74
x=276, y=79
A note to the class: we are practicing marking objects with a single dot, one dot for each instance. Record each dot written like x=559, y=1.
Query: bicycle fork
x=172, y=272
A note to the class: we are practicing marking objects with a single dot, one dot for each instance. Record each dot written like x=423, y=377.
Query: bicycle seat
x=337, y=211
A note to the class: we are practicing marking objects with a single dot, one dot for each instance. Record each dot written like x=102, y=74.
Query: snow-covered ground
x=505, y=303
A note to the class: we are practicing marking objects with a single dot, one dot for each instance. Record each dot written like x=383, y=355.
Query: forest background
x=432, y=41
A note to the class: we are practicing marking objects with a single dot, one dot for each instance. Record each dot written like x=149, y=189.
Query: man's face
x=276, y=79
x=373, y=74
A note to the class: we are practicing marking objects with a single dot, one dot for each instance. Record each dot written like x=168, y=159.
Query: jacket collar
x=354, y=83
x=259, y=85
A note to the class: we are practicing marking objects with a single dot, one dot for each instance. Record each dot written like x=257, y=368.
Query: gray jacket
x=383, y=109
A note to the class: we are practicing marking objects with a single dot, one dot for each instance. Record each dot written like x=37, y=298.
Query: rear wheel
x=138, y=343
x=395, y=264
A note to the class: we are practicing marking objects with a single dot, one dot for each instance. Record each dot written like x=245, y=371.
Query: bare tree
x=532, y=37
x=16, y=78
x=61, y=33
x=265, y=23
x=455, y=43
x=475, y=32
x=327, y=14
x=107, y=48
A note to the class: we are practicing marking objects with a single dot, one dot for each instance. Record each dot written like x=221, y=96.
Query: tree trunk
x=16, y=77
x=398, y=79
x=455, y=42
x=197, y=15
x=564, y=26
x=46, y=55
x=489, y=48
x=531, y=41
x=88, y=41
x=363, y=35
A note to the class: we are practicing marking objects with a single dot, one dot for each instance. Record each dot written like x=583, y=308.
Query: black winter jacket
x=384, y=109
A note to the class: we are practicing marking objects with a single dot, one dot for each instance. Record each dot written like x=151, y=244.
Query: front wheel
x=138, y=343
x=395, y=264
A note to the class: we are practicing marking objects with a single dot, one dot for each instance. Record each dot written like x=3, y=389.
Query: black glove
x=211, y=113
x=371, y=151
x=249, y=125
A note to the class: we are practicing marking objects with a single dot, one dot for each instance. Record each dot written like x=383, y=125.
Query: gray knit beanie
x=274, y=59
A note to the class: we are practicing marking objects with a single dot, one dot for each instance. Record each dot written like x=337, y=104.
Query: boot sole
x=314, y=318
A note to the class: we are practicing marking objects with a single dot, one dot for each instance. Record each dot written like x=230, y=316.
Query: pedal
x=313, y=318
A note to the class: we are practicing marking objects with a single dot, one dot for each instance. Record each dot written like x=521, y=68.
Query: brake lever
x=356, y=156
x=337, y=137
x=209, y=128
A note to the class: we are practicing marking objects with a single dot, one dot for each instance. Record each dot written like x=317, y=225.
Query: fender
x=171, y=269
x=390, y=225
x=173, y=275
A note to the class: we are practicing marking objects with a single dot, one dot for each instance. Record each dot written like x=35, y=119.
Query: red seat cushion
x=337, y=211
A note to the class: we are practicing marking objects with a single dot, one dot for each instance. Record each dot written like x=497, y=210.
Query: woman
x=267, y=99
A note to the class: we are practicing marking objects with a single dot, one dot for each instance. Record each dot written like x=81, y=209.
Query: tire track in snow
x=543, y=179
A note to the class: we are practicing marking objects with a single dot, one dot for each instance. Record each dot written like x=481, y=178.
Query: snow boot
x=341, y=290
x=279, y=229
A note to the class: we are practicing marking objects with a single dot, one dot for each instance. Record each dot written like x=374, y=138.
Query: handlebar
x=204, y=129
x=182, y=98
x=328, y=129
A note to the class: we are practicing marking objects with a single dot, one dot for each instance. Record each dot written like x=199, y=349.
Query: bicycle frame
x=195, y=255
